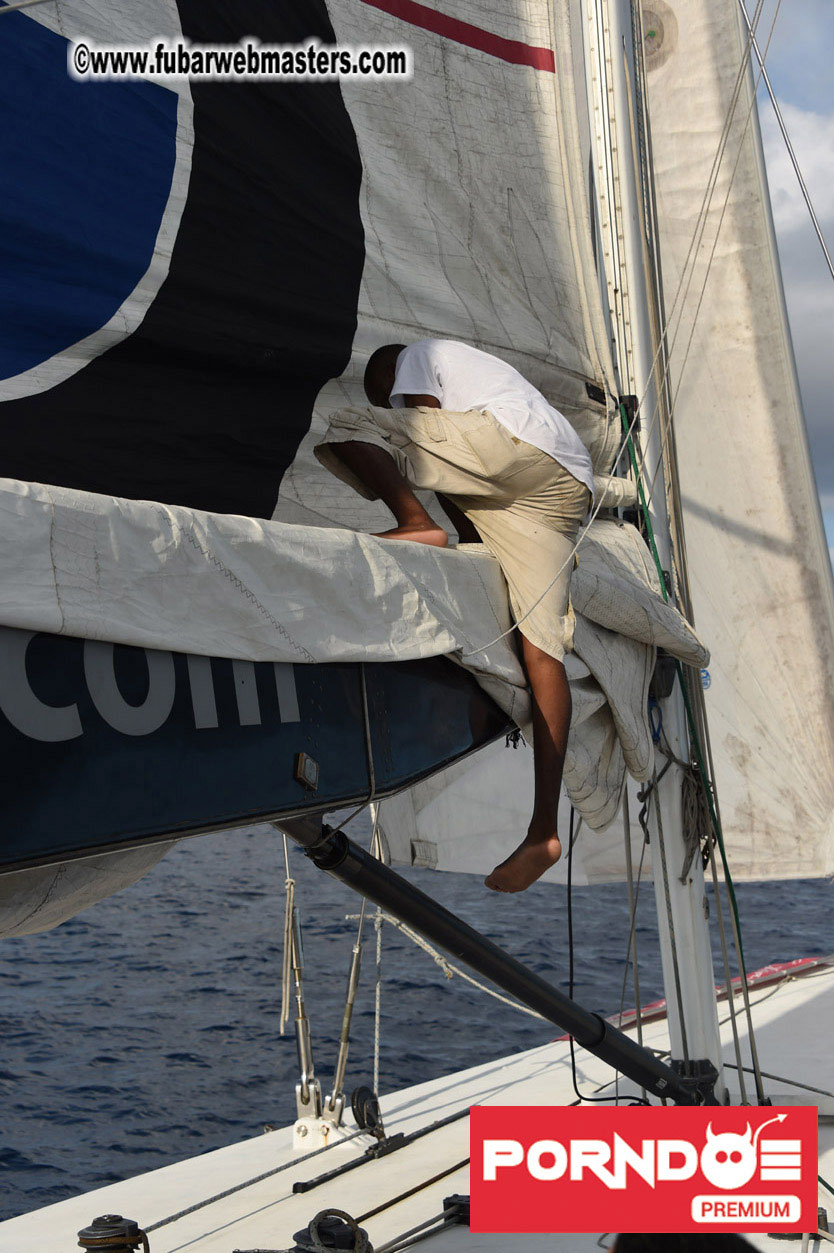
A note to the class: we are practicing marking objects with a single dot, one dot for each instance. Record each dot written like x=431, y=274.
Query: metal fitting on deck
x=113, y=1234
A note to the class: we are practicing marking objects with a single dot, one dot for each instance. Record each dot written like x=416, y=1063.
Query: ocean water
x=146, y=1029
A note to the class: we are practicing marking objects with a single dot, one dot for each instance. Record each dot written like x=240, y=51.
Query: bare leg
x=541, y=848
x=466, y=529
x=378, y=471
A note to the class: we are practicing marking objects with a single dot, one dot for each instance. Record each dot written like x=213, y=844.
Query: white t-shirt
x=462, y=378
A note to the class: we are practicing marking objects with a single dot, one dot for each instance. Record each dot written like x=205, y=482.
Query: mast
x=681, y=901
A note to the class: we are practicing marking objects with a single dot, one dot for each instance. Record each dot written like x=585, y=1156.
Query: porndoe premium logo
x=644, y=1169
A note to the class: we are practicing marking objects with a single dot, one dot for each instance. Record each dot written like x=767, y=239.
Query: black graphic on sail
x=199, y=392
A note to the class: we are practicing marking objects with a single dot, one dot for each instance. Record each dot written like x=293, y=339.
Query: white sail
x=476, y=211
x=757, y=557
x=758, y=562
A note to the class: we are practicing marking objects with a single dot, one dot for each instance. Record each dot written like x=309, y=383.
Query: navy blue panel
x=104, y=787
x=431, y=722
x=85, y=172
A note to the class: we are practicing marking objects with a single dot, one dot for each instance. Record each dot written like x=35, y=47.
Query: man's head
x=379, y=374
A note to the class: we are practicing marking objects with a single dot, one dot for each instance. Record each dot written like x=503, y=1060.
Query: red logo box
x=643, y=1169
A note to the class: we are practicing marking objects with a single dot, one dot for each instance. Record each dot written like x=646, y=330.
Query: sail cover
x=758, y=561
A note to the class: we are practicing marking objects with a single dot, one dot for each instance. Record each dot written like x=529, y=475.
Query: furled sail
x=758, y=562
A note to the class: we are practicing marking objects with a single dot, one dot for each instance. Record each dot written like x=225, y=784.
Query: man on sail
x=512, y=473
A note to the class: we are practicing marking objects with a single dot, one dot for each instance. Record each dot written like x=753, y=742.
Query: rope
x=570, y=557
x=670, y=919
x=783, y=128
x=24, y=4
x=723, y=212
x=631, y=948
x=376, y=849
x=248, y=1183
x=700, y=223
x=286, y=965
x=667, y=420
x=449, y=969
x=404, y=1196
x=727, y=977
x=369, y=747
x=572, y=838
x=687, y=273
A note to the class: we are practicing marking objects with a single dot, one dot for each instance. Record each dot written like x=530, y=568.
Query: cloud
x=812, y=135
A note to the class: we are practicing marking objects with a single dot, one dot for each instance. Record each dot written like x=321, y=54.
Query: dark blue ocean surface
x=147, y=1029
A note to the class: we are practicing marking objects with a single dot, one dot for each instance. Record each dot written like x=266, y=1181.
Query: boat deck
x=794, y=1018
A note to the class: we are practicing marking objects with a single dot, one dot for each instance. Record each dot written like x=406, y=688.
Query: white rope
x=24, y=4
x=449, y=969
x=376, y=851
x=286, y=971
x=568, y=560
x=377, y=996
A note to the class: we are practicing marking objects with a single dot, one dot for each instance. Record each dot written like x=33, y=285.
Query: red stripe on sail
x=511, y=50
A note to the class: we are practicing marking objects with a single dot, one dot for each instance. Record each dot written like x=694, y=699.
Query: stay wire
x=667, y=418
x=724, y=207
x=791, y=153
x=595, y=1099
x=687, y=271
x=699, y=230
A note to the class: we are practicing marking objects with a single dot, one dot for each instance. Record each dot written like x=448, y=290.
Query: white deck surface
x=794, y=1027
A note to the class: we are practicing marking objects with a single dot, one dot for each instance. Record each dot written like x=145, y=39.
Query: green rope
x=643, y=505
x=719, y=835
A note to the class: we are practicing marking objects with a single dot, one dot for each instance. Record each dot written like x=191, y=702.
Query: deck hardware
x=113, y=1234
x=332, y=1229
x=347, y=861
x=456, y=1210
x=306, y=771
x=308, y=1091
x=364, y=1104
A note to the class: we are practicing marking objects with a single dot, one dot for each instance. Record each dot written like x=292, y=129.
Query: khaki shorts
x=527, y=508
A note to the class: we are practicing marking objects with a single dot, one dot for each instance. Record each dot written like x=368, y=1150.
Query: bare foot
x=427, y=533
x=525, y=865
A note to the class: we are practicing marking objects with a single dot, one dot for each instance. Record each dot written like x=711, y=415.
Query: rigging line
x=734, y=915
x=701, y=219
x=728, y=977
x=248, y=1183
x=376, y=850
x=783, y=128
x=572, y=837
x=631, y=946
x=369, y=747
x=421, y=1232
x=580, y=539
x=666, y=420
x=687, y=270
x=449, y=969
x=633, y=897
x=681, y=369
x=404, y=1196
x=286, y=963
x=670, y=920
x=793, y=1083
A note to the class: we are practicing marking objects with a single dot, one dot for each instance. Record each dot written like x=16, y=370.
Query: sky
x=799, y=63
